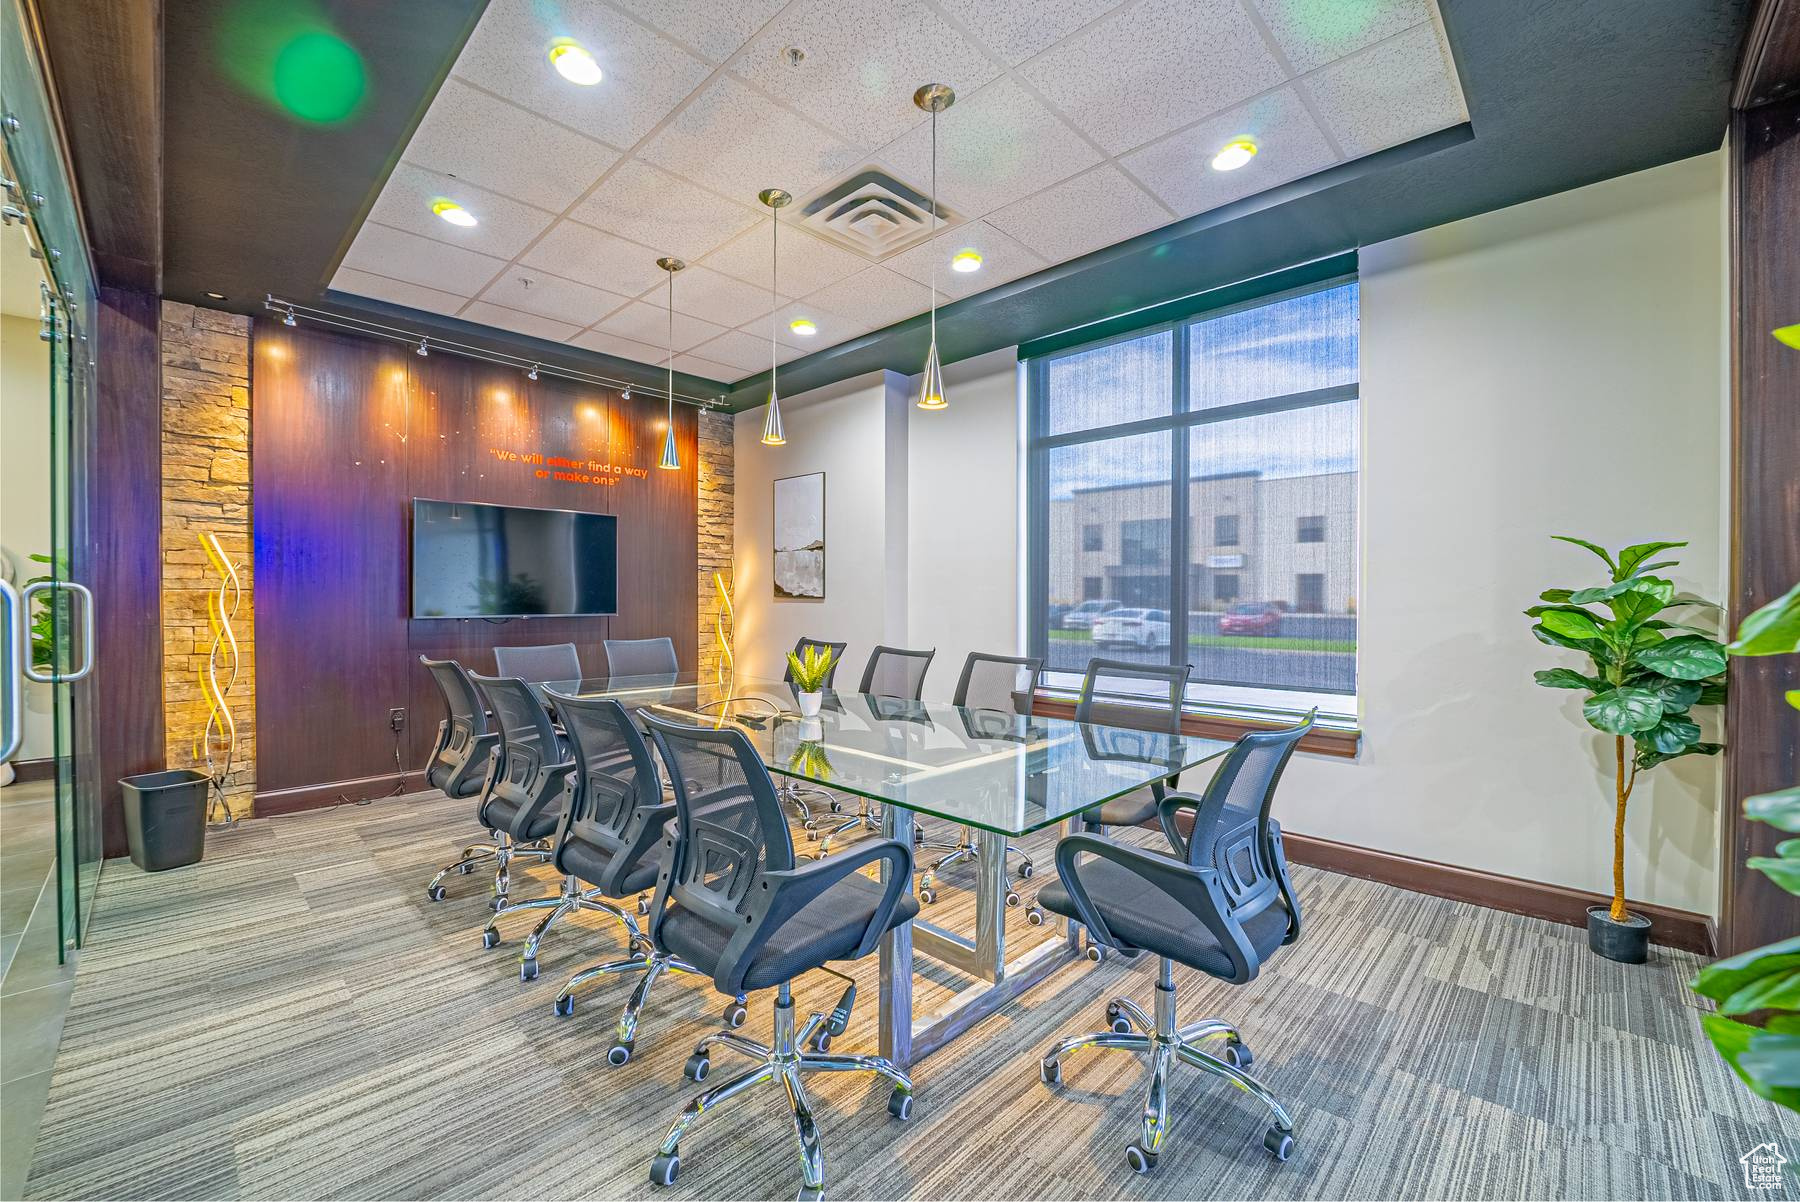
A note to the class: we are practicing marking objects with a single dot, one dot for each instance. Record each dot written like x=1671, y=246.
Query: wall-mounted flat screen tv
x=502, y=561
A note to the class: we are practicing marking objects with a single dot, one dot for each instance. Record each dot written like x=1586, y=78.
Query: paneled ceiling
x=1078, y=124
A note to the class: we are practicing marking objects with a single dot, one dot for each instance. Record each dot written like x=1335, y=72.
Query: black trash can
x=165, y=818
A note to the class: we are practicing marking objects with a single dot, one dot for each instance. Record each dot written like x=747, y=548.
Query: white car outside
x=1141, y=628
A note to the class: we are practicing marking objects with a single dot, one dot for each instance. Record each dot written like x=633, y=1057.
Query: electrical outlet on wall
x=397, y=719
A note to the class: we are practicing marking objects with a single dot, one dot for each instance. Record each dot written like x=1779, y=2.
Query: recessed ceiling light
x=454, y=213
x=803, y=326
x=966, y=260
x=216, y=295
x=575, y=64
x=1237, y=152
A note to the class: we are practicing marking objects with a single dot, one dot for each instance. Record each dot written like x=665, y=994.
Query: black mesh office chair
x=460, y=757
x=523, y=802
x=792, y=791
x=1127, y=696
x=732, y=902
x=998, y=684
x=1222, y=904
x=552, y=661
x=641, y=657
x=890, y=672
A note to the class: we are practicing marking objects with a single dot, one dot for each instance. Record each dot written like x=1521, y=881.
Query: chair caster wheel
x=836, y=807
x=1013, y=899
x=1139, y=1160
x=809, y=1194
x=900, y=1104
x=528, y=969
x=490, y=938
x=1095, y=952
x=664, y=1169
x=1025, y=871
x=1050, y=1072
x=927, y=895
x=1237, y=1054
x=820, y=1042
x=697, y=1067
x=565, y=1005
x=735, y=1015
x=812, y=834
x=497, y=904
x=1279, y=1143
x=435, y=893
x=643, y=906
x=618, y=1054
x=464, y=869
x=1118, y=1020
x=1034, y=916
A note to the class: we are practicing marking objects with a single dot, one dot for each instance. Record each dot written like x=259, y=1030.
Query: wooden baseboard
x=330, y=793
x=26, y=771
x=1558, y=903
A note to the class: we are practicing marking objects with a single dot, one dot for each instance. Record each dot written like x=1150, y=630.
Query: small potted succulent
x=1648, y=673
x=808, y=670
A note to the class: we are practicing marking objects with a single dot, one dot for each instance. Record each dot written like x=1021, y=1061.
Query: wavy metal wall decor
x=216, y=745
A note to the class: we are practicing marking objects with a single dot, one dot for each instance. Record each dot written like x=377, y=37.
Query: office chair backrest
x=641, y=657
x=896, y=672
x=528, y=742
x=1007, y=684
x=1151, y=695
x=553, y=661
x=614, y=797
x=1245, y=854
x=466, y=734
x=729, y=827
x=837, y=658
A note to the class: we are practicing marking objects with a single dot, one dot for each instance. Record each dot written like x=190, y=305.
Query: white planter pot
x=810, y=703
x=811, y=730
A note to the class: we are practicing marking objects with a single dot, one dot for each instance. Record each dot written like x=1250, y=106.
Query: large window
x=1205, y=467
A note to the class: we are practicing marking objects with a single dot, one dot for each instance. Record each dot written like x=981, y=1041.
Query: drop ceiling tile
x=653, y=208
x=1154, y=67
x=994, y=147
x=649, y=324
x=503, y=227
x=808, y=263
x=622, y=348
x=399, y=255
x=1095, y=209
x=502, y=318
x=595, y=258
x=1002, y=259
x=863, y=63
x=706, y=294
x=531, y=291
x=503, y=148
x=831, y=328
x=1017, y=29
x=645, y=76
x=1392, y=92
x=744, y=353
x=1179, y=168
x=714, y=30
x=1312, y=33
x=397, y=292
x=874, y=296
x=694, y=365
x=736, y=141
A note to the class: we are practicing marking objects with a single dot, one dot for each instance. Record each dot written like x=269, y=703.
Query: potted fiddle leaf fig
x=809, y=670
x=1647, y=674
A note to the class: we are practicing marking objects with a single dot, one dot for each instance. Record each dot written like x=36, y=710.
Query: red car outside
x=1250, y=618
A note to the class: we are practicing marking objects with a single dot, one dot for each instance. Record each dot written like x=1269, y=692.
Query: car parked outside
x=1083, y=615
x=1251, y=617
x=1141, y=628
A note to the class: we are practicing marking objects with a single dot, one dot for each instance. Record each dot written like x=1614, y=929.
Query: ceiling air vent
x=874, y=214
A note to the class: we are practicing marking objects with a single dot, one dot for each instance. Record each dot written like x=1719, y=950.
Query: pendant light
x=776, y=199
x=934, y=98
x=671, y=459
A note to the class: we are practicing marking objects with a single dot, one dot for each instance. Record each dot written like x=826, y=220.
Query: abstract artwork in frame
x=800, y=537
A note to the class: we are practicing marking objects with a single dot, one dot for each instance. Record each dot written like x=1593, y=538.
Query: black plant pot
x=1627, y=942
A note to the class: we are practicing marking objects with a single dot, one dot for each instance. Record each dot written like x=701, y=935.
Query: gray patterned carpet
x=293, y=1019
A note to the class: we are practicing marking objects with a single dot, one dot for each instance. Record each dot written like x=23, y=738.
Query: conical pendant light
x=670, y=458
x=934, y=98
x=776, y=199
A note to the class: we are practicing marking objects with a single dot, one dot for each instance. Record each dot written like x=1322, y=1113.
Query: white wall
x=1550, y=368
x=25, y=486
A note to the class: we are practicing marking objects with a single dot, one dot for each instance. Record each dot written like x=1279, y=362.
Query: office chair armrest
x=1197, y=890
x=649, y=836
x=791, y=890
x=558, y=775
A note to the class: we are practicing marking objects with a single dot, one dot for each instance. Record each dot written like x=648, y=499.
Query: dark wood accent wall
x=345, y=432
x=1762, y=749
x=121, y=558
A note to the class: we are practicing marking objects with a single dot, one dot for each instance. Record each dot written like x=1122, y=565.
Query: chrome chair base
x=795, y=795
x=572, y=899
x=503, y=851
x=642, y=958
x=1166, y=1042
x=967, y=849
x=783, y=1063
x=867, y=817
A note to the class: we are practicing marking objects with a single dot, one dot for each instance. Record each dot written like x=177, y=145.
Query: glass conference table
x=1001, y=774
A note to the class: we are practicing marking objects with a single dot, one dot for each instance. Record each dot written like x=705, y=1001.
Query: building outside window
x=1216, y=456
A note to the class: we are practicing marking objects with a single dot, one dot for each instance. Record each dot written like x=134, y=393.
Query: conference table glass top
x=998, y=771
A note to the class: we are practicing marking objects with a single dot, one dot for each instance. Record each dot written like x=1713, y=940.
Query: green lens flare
x=287, y=53
x=319, y=77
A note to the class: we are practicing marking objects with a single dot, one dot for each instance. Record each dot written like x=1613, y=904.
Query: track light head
x=424, y=351
x=289, y=319
x=532, y=374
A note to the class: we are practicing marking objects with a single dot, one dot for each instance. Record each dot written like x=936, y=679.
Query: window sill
x=1344, y=742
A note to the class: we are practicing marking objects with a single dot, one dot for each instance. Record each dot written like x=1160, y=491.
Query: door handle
x=12, y=662
x=87, y=631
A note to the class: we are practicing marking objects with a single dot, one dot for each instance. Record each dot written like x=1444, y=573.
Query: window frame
x=1178, y=423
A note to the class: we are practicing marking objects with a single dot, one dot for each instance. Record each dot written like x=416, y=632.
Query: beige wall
x=25, y=487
